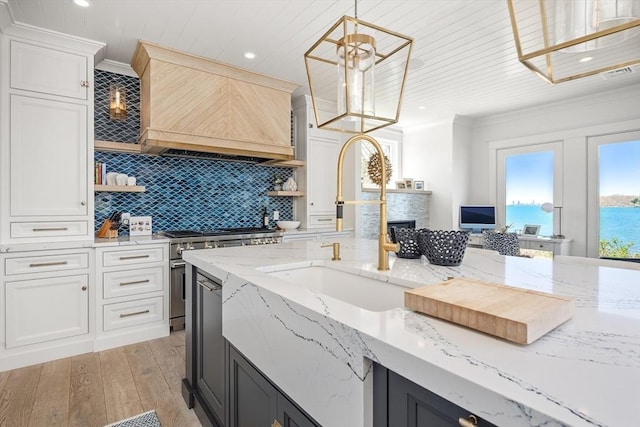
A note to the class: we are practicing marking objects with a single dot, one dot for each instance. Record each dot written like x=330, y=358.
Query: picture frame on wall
x=400, y=185
x=408, y=183
x=530, y=230
x=418, y=185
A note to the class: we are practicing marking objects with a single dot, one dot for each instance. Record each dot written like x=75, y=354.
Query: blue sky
x=529, y=178
x=620, y=168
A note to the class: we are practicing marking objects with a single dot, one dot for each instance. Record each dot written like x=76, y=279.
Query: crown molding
x=6, y=18
x=9, y=26
x=116, y=67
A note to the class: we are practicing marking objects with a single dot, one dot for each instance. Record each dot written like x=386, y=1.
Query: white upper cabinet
x=49, y=71
x=48, y=172
x=46, y=140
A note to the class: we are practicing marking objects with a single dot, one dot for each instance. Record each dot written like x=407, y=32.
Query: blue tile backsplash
x=181, y=192
x=105, y=128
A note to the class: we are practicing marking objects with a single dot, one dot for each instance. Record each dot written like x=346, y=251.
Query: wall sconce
x=117, y=102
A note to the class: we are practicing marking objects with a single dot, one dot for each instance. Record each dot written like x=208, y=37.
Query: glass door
x=529, y=182
x=614, y=194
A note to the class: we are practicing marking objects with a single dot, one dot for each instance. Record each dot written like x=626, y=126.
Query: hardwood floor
x=96, y=389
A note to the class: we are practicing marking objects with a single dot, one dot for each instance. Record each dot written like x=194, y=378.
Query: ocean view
x=622, y=223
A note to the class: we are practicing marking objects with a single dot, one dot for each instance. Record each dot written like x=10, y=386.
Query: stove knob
x=179, y=249
x=191, y=247
x=216, y=245
x=207, y=245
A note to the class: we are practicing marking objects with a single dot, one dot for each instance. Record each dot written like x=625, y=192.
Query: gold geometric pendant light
x=563, y=40
x=357, y=72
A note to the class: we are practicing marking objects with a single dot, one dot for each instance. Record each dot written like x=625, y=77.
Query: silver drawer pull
x=47, y=264
x=122, y=258
x=134, y=313
x=51, y=229
x=325, y=219
x=135, y=282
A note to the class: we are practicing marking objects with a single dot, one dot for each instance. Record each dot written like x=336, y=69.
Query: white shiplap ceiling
x=466, y=46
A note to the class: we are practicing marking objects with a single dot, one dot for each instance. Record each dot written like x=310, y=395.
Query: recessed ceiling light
x=83, y=3
x=586, y=59
x=249, y=55
x=422, y=107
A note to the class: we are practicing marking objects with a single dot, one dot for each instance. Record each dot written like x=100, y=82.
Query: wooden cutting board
x=514, y=314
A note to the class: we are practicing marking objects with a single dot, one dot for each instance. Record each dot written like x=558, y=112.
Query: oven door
x=177, y=302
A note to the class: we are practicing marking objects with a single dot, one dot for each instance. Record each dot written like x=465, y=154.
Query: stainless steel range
x=186, y=240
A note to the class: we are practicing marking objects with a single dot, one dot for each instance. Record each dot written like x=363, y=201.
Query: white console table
x=557, y=246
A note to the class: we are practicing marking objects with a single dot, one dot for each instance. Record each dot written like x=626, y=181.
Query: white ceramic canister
x=290, y=185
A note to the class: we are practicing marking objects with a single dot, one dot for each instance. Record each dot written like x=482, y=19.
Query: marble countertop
x=319, y=349
x=74, y=244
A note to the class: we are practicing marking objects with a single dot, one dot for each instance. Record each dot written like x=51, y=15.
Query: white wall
x=427, y=155
x=439, y=154
x=570, y=122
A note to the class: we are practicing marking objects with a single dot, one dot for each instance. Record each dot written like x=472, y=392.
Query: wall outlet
x=276, y=215
x=124, y=219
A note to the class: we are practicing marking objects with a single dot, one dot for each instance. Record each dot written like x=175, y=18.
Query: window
x=528, y=178
x=614, y=194
x=391, y=149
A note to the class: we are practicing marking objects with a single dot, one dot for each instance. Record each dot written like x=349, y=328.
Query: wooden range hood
x=193, y=103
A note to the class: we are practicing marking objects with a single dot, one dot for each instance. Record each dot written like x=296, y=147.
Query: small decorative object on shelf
x=375, y=170
x=408, y=183
x=400, y=185
x=277, y=183
x=290, y=185
x=418, y=185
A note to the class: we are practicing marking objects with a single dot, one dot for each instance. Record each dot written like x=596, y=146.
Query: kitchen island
x=320, y=350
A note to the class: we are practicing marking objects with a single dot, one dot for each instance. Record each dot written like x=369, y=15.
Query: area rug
x=148, y=419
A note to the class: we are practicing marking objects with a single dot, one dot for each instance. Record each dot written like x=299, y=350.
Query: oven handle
x=177, y=264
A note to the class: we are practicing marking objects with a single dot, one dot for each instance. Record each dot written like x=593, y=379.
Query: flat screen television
x=477, y=217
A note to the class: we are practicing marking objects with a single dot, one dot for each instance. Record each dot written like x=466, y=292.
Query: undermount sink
x=363, y=292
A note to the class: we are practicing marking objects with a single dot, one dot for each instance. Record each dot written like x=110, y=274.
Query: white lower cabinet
x=132, y=302
x=64, y=302
x=46, y=298
x=46, y=309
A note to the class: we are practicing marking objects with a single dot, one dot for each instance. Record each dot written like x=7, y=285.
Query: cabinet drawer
x=132, y=282
x=322, y=220
x=48, y=229
x=541, y=246
x=39, y=264
x=132, y=313
x=48, y=70
x=136, y=256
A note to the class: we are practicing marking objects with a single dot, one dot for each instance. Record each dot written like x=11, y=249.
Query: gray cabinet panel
x=210, y=381
x=290, y=416
x=255, y=401
x=400, y=402
x=252, y=399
